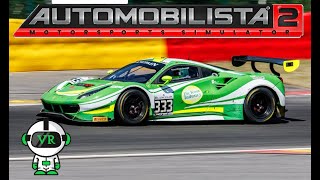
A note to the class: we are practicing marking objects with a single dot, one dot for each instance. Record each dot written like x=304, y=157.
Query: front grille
x=63, y=108
x=56, y=108
x=70, y=108
x=47, y=106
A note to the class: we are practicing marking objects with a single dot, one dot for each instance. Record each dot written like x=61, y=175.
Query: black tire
x=132, y=108
x=259, y=105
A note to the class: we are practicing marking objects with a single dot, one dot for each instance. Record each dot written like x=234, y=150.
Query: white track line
x=92, y=156
x=298, y=95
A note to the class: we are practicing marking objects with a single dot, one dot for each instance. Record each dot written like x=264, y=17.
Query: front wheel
x=259, y=105
x=132, y=107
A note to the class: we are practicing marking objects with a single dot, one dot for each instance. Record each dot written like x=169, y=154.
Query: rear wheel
x=132, y=107
x=259, y=105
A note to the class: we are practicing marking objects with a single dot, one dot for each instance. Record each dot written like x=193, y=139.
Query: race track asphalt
x=169, y=136
x=190, y=167
x=177, y=137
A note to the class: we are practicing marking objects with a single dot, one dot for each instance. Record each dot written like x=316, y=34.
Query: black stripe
x=28, y=137
x=64, y=137
x=45, y=125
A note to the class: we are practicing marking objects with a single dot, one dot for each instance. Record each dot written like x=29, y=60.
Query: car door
x=183, y=95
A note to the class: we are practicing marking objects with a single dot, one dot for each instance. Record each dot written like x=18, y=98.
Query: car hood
x=68, y=93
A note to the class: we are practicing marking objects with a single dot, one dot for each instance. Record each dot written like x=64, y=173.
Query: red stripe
x=154, y=32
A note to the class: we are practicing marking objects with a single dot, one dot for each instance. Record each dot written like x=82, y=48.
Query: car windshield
x=140, y=72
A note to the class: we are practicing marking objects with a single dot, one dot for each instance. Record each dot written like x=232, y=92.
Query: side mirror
x=166, y=80
x=110, y=71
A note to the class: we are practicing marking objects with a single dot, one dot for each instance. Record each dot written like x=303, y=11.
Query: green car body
x=213, y=94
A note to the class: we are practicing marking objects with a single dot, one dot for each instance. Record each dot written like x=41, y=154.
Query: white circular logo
x=191, y=94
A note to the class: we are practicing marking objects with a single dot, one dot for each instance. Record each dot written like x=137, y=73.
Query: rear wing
x=288, y=65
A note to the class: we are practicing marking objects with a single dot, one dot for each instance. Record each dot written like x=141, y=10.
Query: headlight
x=92, y=92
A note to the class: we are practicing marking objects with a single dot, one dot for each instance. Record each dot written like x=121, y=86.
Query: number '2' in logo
x=288, y=17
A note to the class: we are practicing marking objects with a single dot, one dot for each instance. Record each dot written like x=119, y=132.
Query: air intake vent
x=61, y=108
x=225, y=81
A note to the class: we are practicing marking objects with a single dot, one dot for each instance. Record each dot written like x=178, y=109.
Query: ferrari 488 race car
x=167, y=89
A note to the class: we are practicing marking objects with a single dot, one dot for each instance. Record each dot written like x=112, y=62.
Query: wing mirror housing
x=166, y=79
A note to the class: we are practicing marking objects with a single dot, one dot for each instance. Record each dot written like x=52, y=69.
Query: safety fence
x=36, y=54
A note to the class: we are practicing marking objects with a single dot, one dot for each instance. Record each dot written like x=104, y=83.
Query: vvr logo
x=46, y=139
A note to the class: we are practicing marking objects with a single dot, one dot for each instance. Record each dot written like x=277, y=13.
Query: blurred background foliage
x=22, y=8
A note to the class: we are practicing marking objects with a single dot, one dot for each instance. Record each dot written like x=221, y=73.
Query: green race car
x=168, y=89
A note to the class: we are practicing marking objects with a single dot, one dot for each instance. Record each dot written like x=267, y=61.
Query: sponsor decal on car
x=163, y=104
x=79, y=79
x=100, y=119
x=160, y=96
x=154, y=64
x=83, y=84
x=191, y=94
x=163, y=107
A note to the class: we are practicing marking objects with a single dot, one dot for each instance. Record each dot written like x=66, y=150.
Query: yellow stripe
x=73, y=92
x=35, y=54
x=159, y=59
x=199, y=110
x=102, y=110
x=24, y=101
x=301, y=151
x=286, y=151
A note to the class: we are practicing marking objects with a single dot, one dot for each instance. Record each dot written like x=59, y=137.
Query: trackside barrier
x=36, y=54
x=223, y=49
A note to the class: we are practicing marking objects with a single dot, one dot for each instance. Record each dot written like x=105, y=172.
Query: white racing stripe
x=237, y=101
x=298, y=95
x=176, y=86
x=193, y=118
x=112, y=97
x=246, y=88
x=173, y=153
x=38, y=104
x=227, y=102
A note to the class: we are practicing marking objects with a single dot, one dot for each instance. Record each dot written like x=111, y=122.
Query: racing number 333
x=163, y=106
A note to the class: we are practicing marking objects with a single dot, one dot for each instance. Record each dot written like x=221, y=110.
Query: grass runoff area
x=301, y=77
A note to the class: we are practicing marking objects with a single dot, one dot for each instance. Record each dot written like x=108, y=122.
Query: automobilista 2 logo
x=164, y=21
